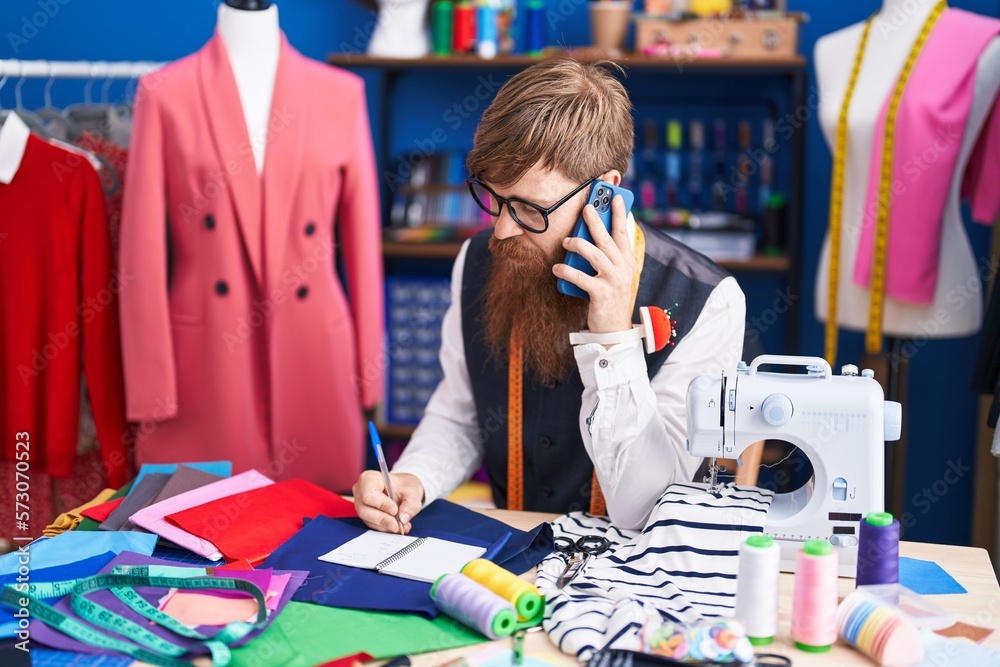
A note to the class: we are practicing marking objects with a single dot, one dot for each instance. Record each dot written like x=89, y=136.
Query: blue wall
x=942, y=413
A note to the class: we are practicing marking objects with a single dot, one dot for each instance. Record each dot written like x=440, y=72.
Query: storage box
x=745, y=38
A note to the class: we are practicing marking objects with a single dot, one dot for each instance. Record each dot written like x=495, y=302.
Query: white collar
x=13, y=140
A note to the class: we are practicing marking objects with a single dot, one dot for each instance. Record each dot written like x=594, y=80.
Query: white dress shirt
x=638, y=431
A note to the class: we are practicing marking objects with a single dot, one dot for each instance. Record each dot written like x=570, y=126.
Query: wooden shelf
x=449, y=250
x=401, y=431
x=400, y=249
x=521, y=61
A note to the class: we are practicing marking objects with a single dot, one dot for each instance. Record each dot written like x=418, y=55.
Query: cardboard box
x=721, y=36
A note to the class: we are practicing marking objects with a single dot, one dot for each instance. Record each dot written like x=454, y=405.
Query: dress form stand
x=892, y=35
x=249, y=29
x=401, y=31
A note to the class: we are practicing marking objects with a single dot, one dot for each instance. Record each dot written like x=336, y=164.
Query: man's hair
x=575, y=118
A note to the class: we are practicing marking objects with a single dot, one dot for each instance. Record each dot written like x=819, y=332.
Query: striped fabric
x=682, y=566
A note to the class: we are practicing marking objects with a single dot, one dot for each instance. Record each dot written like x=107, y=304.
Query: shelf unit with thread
x=396, y=79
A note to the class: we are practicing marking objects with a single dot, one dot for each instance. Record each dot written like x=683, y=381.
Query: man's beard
x=521, y=291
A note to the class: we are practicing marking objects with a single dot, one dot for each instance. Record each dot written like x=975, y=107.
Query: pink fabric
x=153, y=519
x=244, y=347
x=929, y=132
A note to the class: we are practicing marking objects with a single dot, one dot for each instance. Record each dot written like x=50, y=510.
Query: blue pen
x=377, y=446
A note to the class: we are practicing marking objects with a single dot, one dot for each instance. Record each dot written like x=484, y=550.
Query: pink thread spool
x=814, y=604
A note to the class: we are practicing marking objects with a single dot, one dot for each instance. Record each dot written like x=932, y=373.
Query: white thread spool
x=757, y=588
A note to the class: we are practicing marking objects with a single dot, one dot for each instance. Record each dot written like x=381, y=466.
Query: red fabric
x=254, y=523
x=58, y=310
x=101, y=512
x=241, y=564
x=348, y=661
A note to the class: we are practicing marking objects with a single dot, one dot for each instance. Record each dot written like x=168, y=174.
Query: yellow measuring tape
x=873, y=334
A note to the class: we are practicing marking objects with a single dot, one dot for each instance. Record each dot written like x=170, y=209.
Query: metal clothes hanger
x=3, y=112
x=87, y=116
x=30, y=119
x=56, y=124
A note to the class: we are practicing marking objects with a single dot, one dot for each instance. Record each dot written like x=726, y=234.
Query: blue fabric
x=353, y=588
x=926, y=577
x=220, y=468
x=74, y=546
x=83, y=568
x=43, y=657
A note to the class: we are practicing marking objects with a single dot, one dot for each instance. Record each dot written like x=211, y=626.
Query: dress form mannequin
x=401, y=31
x=892, y=35
x=253, y=41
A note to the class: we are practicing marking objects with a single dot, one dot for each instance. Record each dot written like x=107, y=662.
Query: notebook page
x=368, y=549
x=431, y=559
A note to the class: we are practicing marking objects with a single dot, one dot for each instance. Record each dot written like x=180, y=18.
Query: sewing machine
x=839, y=422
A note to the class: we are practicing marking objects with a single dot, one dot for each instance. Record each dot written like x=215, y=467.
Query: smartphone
x=601, y=195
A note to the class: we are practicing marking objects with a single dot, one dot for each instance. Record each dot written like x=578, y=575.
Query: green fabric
x=307, y=634
x=90, y=524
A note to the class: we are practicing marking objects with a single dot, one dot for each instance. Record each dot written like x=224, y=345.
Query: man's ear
x=612, y=176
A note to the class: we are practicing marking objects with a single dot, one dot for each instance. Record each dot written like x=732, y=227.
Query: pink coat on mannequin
x=238, y=339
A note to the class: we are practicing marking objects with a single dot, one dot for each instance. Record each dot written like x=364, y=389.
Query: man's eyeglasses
x=530, y=216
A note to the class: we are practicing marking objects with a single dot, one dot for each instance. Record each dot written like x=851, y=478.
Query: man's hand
x=611, y=256
x=372, y=503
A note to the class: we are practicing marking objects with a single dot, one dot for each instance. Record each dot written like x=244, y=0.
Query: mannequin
x=401, y=31
x=240, y=341
x=249, y=29
x=952, y=313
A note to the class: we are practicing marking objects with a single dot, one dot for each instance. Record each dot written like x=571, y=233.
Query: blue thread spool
x=535, y=20
x=486, y=27
x=878, y=550
x=474, y=605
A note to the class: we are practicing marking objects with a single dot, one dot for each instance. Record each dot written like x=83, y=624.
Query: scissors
x=579, y=552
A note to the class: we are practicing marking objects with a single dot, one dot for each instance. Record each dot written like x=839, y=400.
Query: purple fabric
x=43, y=634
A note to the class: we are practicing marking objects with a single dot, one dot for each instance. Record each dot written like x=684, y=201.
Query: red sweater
x=58, y=310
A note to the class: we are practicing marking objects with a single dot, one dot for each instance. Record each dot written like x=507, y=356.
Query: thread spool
x=523, y=595
x=474, y=605
x=879, y=631
x=814, y=603
x=878, y=550
x=535, y=21
x=757, y=588
x=441, y=26
x=486, y=30
x=463, y=27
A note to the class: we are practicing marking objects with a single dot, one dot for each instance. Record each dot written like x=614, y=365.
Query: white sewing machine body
x=839, y=422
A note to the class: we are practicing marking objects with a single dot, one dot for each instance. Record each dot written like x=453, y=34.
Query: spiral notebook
x=418, y=558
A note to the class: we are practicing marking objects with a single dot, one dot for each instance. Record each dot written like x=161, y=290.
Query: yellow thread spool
x=523, y=595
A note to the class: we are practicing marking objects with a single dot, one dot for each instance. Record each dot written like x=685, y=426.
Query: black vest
x=557, y=469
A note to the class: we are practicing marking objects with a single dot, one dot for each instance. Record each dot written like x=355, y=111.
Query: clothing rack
x=80, y=69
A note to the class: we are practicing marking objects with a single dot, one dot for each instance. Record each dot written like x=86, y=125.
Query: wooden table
x=971, y=567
